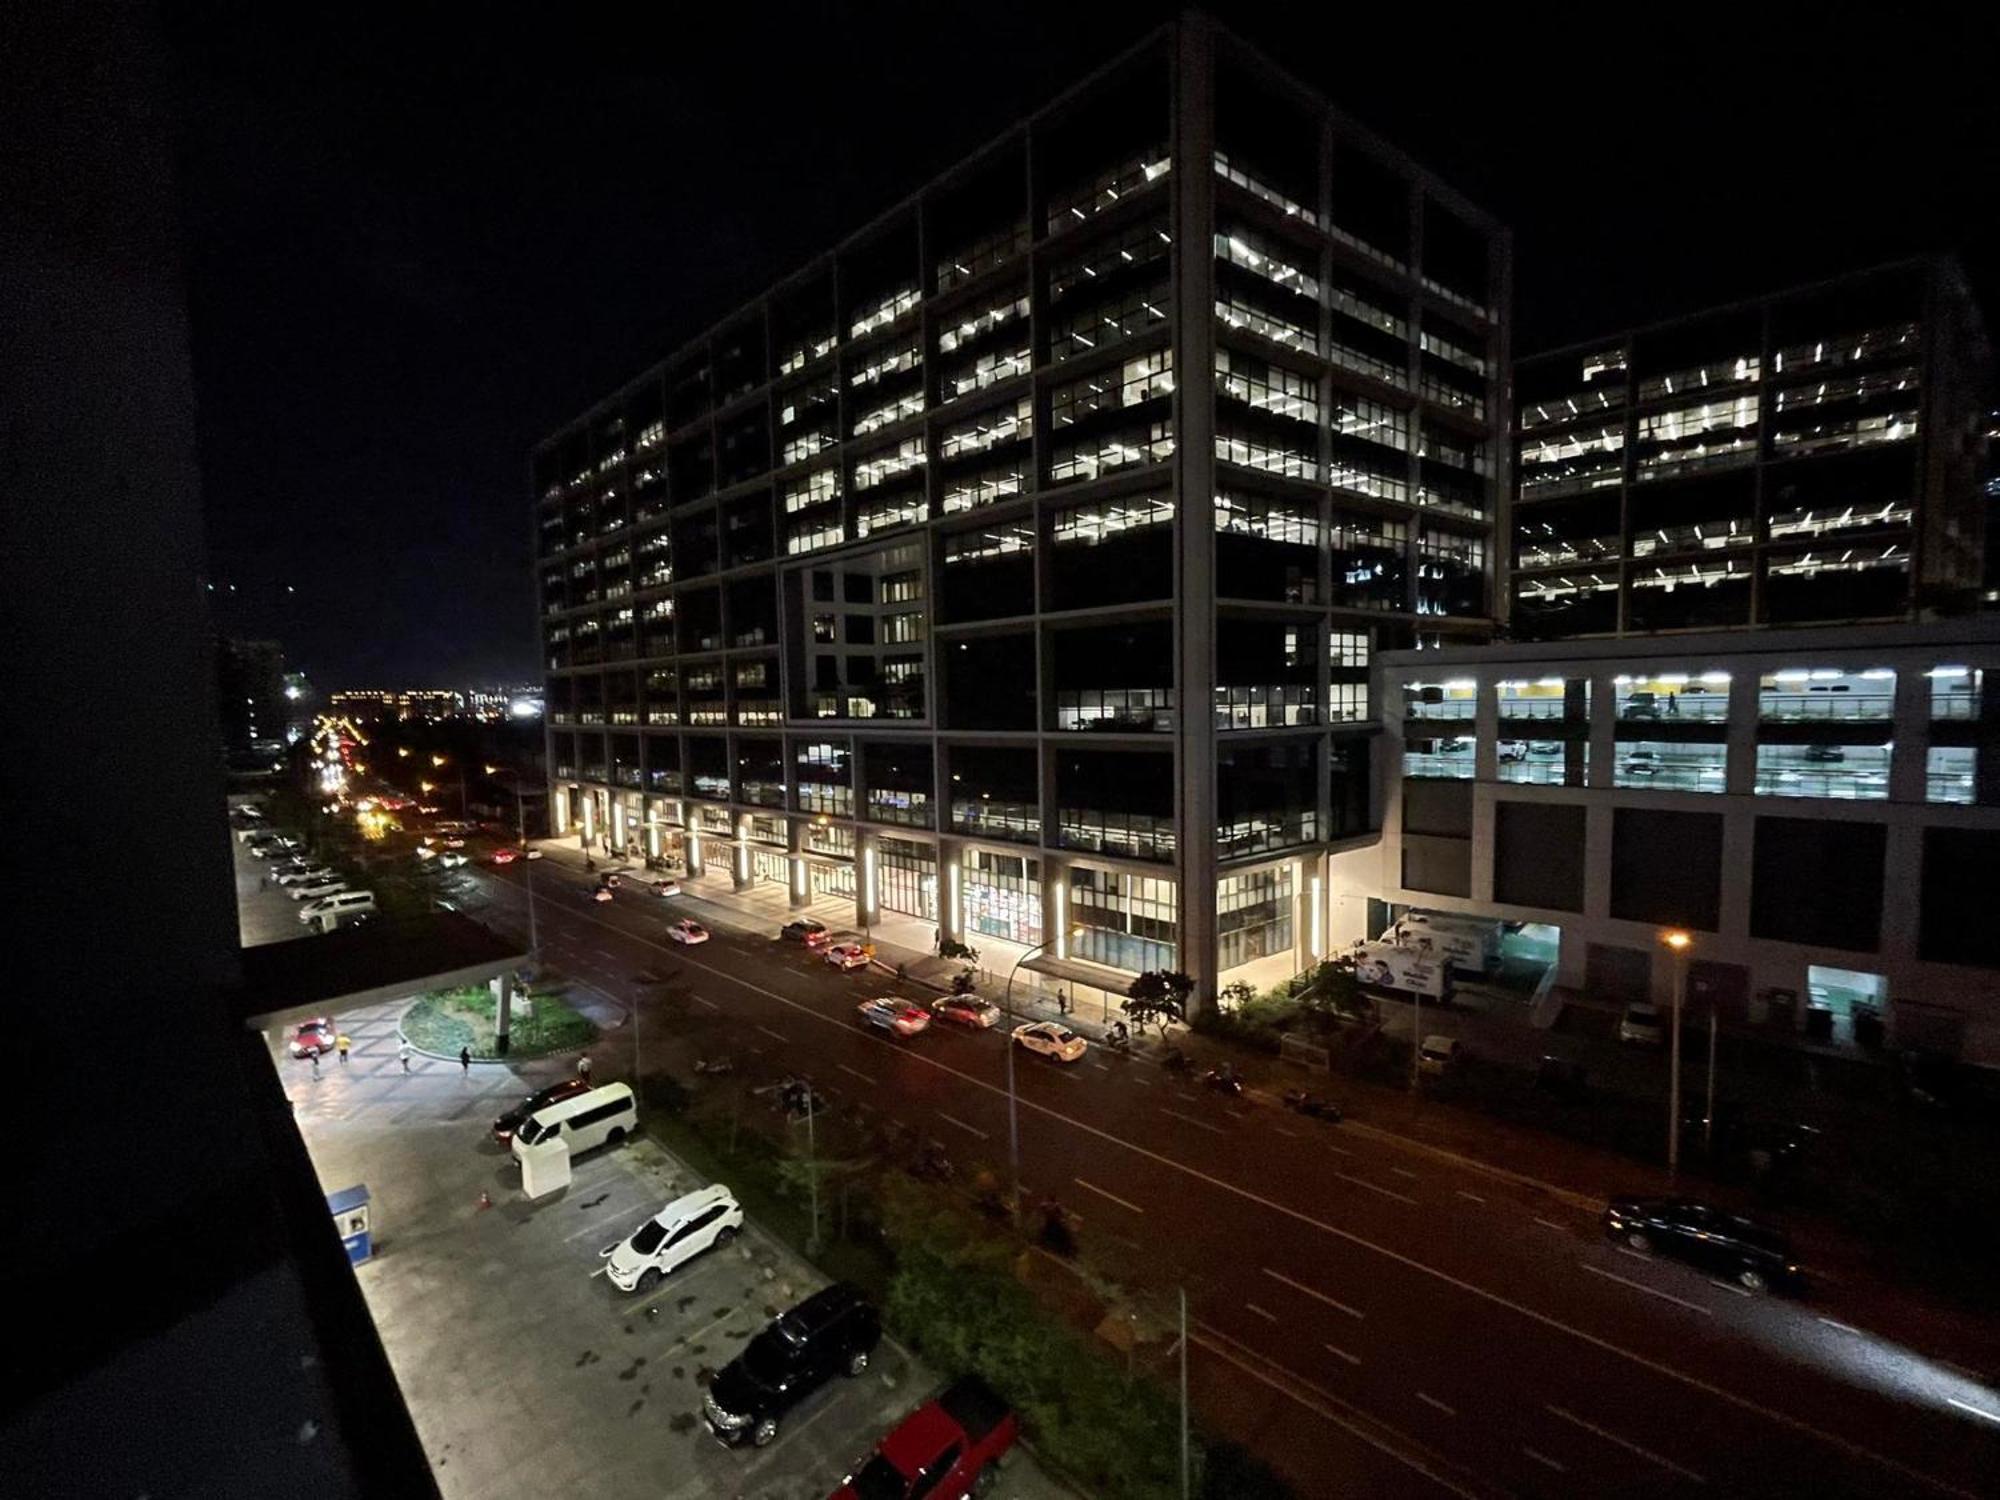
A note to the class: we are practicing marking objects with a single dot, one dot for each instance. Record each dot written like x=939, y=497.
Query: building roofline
x=1941, y=263
x=1968, y=630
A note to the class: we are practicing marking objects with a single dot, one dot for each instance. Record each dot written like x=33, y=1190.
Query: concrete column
x=1194, y=493
x=1740, y=774
x=739, y=856
x=691, y=842
x=798, y=889
x=1603, y=729
x=503, y=1010
x=1739, y=822
x=867, y=894
x=1909, y=775
x=1056, y=915
x=1596, y=861
x=1902, y=895
x=951, y=888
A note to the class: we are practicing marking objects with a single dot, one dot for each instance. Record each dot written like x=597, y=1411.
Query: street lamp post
x=1680, y=942
x=1013, y=1117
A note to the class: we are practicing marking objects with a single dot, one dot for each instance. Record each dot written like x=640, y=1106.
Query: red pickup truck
x=944, y=1450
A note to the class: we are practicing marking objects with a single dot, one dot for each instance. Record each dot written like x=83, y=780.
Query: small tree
x=1235, y=995
x=1158, y=996
x=1330, y=992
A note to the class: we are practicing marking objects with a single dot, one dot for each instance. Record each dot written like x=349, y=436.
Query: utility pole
x=1708, y=1114
x=1680, y=942
x=812, y=1166
x=1184, y=1398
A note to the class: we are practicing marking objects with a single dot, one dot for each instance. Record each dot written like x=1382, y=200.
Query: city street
x=1369, y=1313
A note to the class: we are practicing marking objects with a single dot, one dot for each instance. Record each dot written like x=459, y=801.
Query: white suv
x=671, y=1238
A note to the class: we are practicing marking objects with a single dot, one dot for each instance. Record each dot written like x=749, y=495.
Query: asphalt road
x=1369, y=1316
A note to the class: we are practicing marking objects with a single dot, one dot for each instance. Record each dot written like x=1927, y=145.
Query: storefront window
x=1127, y=922
x=1253, y=916
x=1002, y=896
x=907, y=878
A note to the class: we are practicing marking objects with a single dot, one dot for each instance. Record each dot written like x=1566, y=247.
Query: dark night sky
x=420, y=240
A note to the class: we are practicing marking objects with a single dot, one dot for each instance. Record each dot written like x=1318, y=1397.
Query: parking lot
x=527, y=1373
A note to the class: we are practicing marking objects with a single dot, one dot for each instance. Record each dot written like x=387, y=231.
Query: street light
x=1013, y=1117
x=1680, y=943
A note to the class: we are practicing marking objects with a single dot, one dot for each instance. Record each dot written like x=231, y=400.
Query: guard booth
x=352, y=1220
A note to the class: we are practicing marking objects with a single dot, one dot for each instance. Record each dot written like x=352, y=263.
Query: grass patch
x=446, y=1020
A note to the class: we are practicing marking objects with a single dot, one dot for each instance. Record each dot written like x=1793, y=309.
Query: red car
x=893, y=1014
x=313, y=1038
x=846, y=956
x=505, y=856
x=950, y=1446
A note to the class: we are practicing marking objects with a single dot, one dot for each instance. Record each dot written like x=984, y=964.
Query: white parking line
x=779, y=1035
x=1282, y=1131
x=1144, y=1083
x=1269, y=1317
x=954, y=1120
x=1552, y=1224
x=1730, y=1286
x=1404, y=1172
x=857, y=1073
x=1977, y=1411
x=1843, y=1327
x=1630, y=1447
x=1373, y=1188
x=704, y=1000
x=596, y=1226
x=1300, y=1286
x=1543, y=1458
x=1122, y=1203
x=1472, y=1197
x=1352, y=1359
x=1640, y=1286
x=1198, y=1124
x=1435, y=1404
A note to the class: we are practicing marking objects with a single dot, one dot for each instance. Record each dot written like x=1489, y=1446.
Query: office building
x=1819, y=808
x=1015, y=569
x=402, y=704
x=250, y=678
x=1806, y=458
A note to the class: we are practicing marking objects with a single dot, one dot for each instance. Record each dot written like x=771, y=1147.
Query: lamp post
x=528, y=880
x=1013, y=1117
x=1680, y=943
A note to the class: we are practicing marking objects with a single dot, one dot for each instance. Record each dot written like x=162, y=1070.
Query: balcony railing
x=1538, y=709
x=1793, y=708
x=1019, y=821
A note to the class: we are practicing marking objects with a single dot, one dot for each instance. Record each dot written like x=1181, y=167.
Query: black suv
x=830, y=1333
x=515, y=1118
x=1752, y=1254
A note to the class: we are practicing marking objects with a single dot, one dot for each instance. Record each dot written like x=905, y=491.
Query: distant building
x=250, y=687
x=398, y=703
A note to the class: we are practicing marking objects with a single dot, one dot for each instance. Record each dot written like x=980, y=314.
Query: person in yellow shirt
x=343, y=1044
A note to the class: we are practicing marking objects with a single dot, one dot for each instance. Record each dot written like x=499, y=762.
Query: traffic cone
x=485, y=1199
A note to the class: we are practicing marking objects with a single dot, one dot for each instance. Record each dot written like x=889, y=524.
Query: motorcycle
x=1058, y=1228
x=1118, y=1039
x=1300, y=1102
x=716, y=1067
x=1176, y=1061
x=1224, y=1081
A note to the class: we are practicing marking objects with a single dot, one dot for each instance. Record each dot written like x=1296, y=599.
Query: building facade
x=1018, y=566
x=1819, y=808
x=1805, y=458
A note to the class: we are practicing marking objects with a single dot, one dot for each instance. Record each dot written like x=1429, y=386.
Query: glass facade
x=1253, y=916
x=1127, y=921
x=1002, y=896
x=906, y=878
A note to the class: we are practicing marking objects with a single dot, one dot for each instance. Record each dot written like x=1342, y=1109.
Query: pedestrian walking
x=583, y=1067
x=343, y=1044
x=1062, y=1001
x=403, y=1052
x=315, y=1062
x=465, y=1060
x=263, y=882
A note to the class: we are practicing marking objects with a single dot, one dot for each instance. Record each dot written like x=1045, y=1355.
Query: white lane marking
x=596, y=1226
x=1144, y=1083
x=1552, y=1224
x=1543, y=1458
x=1843, y=1327
x=1373, y=1188
x=1730, y=1286
x=1300, y=1286
x=1102, y=1067
x=1640, y=1286
x=1471, y=1197
x=954, y=1120
x=1282, y=1131
x=1330, y=1406
x=1404, y=1172
x=1199, y=1124
x=1977, y=1411
x=856, y=1073
x=779, y=1035
x=1340, y=1151
x=1630, y=1447
x=1121, y=1202
x=1634, y=1254
x=1269, y=1317
x=1352, y=1359
x=1435, y=1404
x=1533, y=1315
x=704, y=1000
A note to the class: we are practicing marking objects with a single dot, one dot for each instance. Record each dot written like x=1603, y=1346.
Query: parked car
x=1642, y=763
x=303, y=875
x=1439, y=1055
x=1824, y=755
x=605, y=893
x=947, y=1447
x=505, y=855
x=1513, y=750
x=506, y=1124
x=806, y=930
x=532, y=854
x=833, y=1332
x=425, y=852
x=966, y=1010
x=451, y=859
x=687, y=930
x=670, y=1239
x=666, y=887
x=1749, y=1252
x=1642, y=1026
x=1562, y=1078
x=891, y=1014
x=1545, y=747
x=313, y=1038
x=1049, y=1039
x=846, y=956
x=314, y=890
x=342, y=907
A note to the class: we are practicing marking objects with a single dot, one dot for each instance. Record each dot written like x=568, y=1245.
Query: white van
x=604, y=1116
x=329, y=912
x=1470, y=944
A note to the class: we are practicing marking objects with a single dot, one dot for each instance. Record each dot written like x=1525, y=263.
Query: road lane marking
x=1121, y=1202
x=1843, y=1327
x=1977, y=1411
x=1543, y=1458
x=1730, y=1286
x=1331, y=1407
x=1144, y=1083
x=1198, y=1124
x=969, y=1129
x=1300, y=1286
x=856, y=1073
x=1640, y=1286
x=1471, y=1197
x=1534, y=1315
x=779, y=1035
x=1630, y=1447
x=1340, y=1151
x=1404, y=1172
x=1374, y=1188
x=1435, y=1404
x=1282, y=1131
x=1352, y=1359
x=703, y=1000
x=1552, y=1224
x=1635, y=1254
x=1269, y=1317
